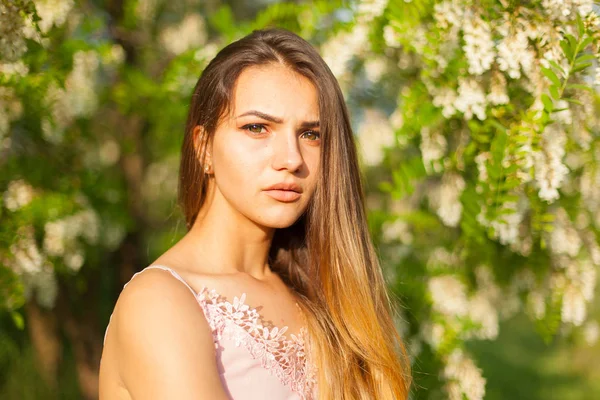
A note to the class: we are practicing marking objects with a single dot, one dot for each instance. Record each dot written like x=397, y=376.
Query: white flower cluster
x=78, y=99
x=341, y=48
x=589, y=186
x=370, y=9
x=60, y=237
x=561, y=9
x=27, y=256
x=449, y=13
x=550, y=172
x=440, y=257
x=471, y=98
x=17, y=68
x=32, y=266
x=445, y=199
x=564, y=238
x=374, y=134
x=498, y=94
x=464, y=378
x=448, y=296
x=451, y=302
x=12, y=40
x=18, y=194
x=578, y=284
x=145, y=10
x=479, y=46
x=514, y=51
x=52, y=13
x=397, y=230
x=433, y=148
x=190, y=33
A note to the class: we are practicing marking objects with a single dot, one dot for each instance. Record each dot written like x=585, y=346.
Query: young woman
x=276, y=291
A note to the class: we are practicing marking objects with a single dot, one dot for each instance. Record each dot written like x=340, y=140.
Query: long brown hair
x=326, y=256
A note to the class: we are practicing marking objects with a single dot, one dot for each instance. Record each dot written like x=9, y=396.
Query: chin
x=279, y=221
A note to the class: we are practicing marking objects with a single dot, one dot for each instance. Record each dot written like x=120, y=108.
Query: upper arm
x=164, y=343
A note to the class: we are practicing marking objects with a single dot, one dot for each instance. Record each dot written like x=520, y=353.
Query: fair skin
x=170, y=352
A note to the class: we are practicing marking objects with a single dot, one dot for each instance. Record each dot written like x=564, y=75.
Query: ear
x=199, y=140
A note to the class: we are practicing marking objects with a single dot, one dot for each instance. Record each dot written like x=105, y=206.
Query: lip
x=286, y=196
x=287, y=186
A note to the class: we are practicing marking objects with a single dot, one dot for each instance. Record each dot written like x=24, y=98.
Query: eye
x=315, y=134
x=254, y=128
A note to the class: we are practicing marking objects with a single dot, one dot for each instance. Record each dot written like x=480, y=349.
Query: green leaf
x=548, y=105
x=18, y=320
x=558, y=67
x=572, y=43
x=580, y=26
x=584, y=58
x=554, y=92
x=576, y=86
x=567, y=51
x=581, y=67
x=575, y=101
x=385, y=187
x=550, y=74
x=585, y=43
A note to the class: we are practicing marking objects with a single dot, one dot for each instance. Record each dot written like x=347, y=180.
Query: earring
x=207, y=168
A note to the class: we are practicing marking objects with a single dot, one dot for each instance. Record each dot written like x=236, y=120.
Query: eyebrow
x=305, y=124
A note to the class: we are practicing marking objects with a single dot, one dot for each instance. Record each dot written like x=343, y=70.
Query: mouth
x=286, y=196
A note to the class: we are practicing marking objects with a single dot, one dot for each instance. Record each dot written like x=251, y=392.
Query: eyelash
x=246, y=128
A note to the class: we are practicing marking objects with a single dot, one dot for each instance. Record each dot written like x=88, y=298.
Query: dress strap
x=156, y=266
x=175, y=274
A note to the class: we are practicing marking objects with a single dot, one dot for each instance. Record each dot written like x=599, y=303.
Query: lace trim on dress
x=286, y=358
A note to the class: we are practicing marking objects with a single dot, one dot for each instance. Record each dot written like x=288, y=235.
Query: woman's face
x=270, y=137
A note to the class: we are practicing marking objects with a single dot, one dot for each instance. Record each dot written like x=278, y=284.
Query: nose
x=287, y=154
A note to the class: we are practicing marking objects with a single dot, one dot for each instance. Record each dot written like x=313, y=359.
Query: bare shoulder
x=163, y=340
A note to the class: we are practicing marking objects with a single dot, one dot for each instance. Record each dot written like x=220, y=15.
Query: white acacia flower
x=374, y=134
x=18, y=194
x=52, y=13
x=514, y=53
x=479, y=46
x=550, y=171
x=578, y=285
x=433, y=334
x=45, y=285
x=391, y=36
x=26, y=255
x=464, y=377
x=449, y=13
x=564, y=239
x=591, y=332
x=446, y=199
x=483, y=313
x=471, y=98
x=433, y=147
x=341, y=48
x=536, y=302
x=498, y=94
x=190, y=33
x=12, y=43
x=368, y=10
x=448, y=295
x=446, y=99
x=375, y=67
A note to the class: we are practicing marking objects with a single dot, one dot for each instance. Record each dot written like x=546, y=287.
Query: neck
x=226, y=242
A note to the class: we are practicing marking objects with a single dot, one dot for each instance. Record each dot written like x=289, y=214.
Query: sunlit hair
x=327, y=256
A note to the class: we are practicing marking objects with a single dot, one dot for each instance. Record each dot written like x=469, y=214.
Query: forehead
x=276, y=90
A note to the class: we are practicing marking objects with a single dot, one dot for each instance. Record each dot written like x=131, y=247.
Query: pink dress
x=254, y=362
